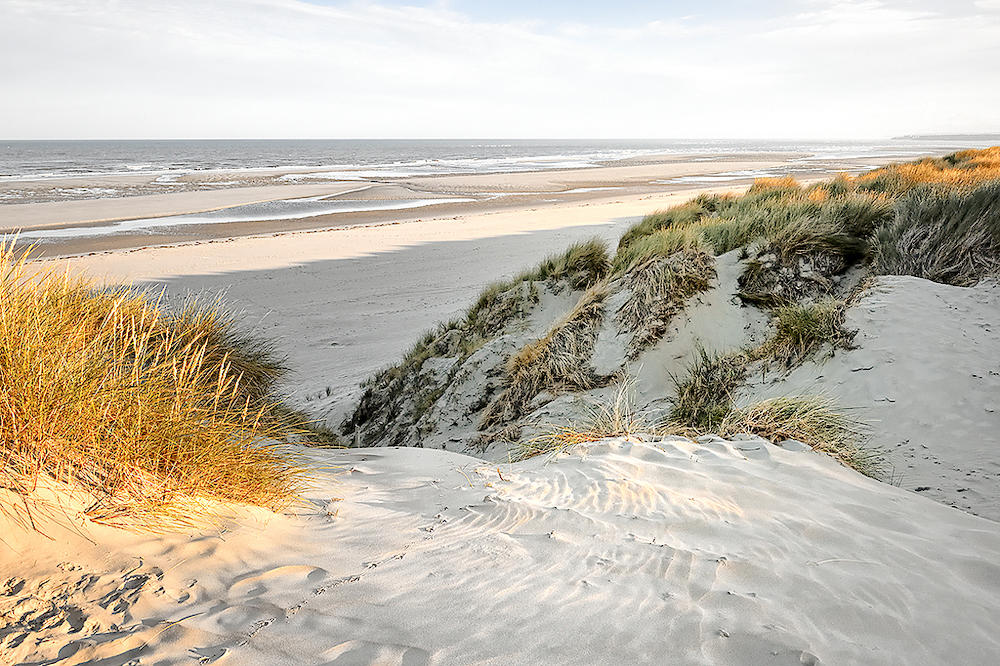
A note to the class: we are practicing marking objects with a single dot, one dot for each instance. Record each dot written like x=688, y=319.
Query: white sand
x=926, y=377
x=672, y=552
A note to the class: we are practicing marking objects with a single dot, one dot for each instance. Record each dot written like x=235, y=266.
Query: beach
x=196, y=209
x=738, y=549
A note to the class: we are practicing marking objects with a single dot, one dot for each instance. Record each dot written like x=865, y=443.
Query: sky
x=805, y=69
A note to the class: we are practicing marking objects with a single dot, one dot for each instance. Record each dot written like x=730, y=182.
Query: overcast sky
x=498, y=68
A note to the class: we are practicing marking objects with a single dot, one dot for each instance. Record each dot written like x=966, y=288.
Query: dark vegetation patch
x=950, y=237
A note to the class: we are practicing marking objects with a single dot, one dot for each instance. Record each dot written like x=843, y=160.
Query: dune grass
x=703, y=397
x=615, y=418
x=838, y=216
x=147, y=414
x=802, y=329
x=945, y=236
x=659, y=287
x=556, y=362
x=815, y=421
x=962, y=170
x=498, y=306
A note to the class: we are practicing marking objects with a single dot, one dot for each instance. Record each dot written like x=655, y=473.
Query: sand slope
x=926, y=376
x=666, y=552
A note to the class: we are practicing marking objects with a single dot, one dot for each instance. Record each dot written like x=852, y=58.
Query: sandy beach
x=253, y=204
x=439, y=333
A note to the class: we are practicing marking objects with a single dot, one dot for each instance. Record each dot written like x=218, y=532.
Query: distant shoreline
x=445, y=196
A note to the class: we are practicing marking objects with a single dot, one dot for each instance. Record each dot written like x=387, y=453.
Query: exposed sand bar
x=88, y=211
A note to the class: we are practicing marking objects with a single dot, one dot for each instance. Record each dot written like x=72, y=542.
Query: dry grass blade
x=812, y=420
x=558, y=361
x=616, y=418
x=659, y=288
x=152, y=417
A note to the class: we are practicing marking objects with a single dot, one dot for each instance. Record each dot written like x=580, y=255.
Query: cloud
x=188, y=68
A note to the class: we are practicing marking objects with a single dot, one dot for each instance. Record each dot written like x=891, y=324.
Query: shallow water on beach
x=283, y=209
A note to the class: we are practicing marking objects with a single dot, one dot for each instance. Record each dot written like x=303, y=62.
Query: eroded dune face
x=667, y=551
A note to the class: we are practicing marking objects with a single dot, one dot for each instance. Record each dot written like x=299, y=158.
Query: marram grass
x=152, y=418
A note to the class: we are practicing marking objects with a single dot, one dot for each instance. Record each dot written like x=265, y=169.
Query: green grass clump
x=674, y=218
x=801, y=329
x=144, y=413
x=703, y=397
x=805, y=236
x=558, y=361
x=659, y=244
x=581, y=265
x=945, y=236
x=857, y=214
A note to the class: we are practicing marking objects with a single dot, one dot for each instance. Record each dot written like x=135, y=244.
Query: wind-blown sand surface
x=670, y=551
x=925, y=375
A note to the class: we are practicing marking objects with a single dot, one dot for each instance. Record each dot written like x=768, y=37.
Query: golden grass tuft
x=964, y=169
x=813, y=420
x=617, y=418
x=777, y=183
x=151, y=417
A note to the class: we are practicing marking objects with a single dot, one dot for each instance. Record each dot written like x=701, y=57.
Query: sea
x=359, y=159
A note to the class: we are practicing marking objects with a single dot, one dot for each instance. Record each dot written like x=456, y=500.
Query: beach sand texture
x=708, y=552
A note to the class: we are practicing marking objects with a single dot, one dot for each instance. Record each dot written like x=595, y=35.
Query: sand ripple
x=620, y=552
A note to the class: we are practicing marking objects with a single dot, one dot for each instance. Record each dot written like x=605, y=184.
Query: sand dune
x=925, y=375
x=671, y=551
